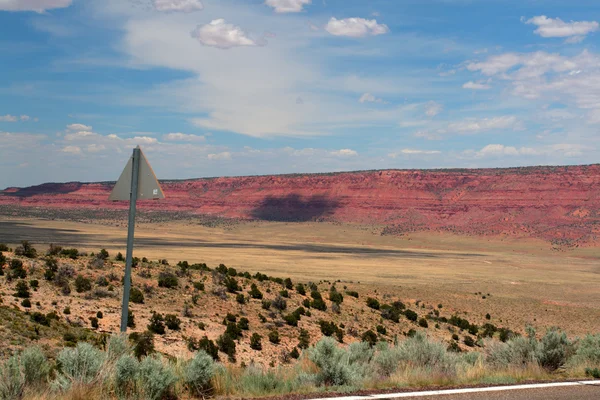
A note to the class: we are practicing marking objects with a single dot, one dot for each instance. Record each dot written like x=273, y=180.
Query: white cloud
x=287, y=6
x=433, y=108
x=575, y=31
x=95, y=148
x=38, y=6
x=222, y=35
x=8, y=118
x=499, y=150
x=369, y=98
x=78, y=135
x=24, y=117
x=79, y=127
x=71, y=149
x=355, y=27
x=344, y=153
x=178, y=5
x=474, y=125
x=220, y=156
x=143, y=140
x=182, y=137
x=413, y=152
x=476, y=86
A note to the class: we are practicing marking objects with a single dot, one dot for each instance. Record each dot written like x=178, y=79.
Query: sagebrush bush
x=587, y=351
x=516, y=352
x=332, y=362
x=198, y=372
x=553, y=349
x=12, y=380
x=117, y=346
x=78, y=365
x=126, y=372
x=419, y=351
x=35, y=366
x=156, y=378
x=386, y=360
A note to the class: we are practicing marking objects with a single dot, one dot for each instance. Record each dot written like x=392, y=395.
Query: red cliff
x=559, y=204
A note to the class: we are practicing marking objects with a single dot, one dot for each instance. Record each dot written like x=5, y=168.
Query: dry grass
x=529, y=283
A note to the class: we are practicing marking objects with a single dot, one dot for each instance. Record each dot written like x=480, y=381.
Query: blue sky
x=231, y=87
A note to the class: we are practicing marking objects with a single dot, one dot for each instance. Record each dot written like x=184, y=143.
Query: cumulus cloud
x=71, y=149
x=38, y=6
x=476, y=86
x=473, y=126
x=24, y=117
x=499, y=150
x=355, y=27
x=8, y=118
x=222, y=35
x=287, y=6
x=344, y=153
x=178, y=5
x=78, y=127
x=182, y=137
x=220, y=156
x=575, y=31
x=369, y=98
x=413, y=152
x=433, y=108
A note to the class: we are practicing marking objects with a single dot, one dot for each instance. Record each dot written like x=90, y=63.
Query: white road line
x=463, y=391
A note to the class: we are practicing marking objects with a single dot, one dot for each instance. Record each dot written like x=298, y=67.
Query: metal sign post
x=136, y=181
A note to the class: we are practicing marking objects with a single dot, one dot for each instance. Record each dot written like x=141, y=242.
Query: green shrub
x=594, y=373
x=369, y=337
x=423, y=323
x=12, y=380
x=274, y=337
x=419, y=352
x=373, y=303
x=117, y=346
x=136, y=296
x=227, y=345
x=81, y=364
x=199, y=286
x=255, y=341
x=119, y=257
x=381, y=330
x=332, y=363
x=386, y=360
x=130, y=319
x=126, y=372
x=143, y=343
x=240, y=298
x=254, y=292
x=411, y=315
x=291, y=319
x=73, y=254
x=34, y=284
x=26, y=303
x=157, y=379
x=82, y=284
x=36, y=368
x=231, y=284
x=22, y=290
x=303, y=339
x=352, y=293
x=517, y=352
x=468, y=340
x=243, y=324
x=172, y=322
x=26, y=249
x=295, y=354
x=554, y=349
x=284, y=293
x=233, y=330
x=287, y=282
x=167, y=280
x=317, y=302
x=157, y=324
x=39, y=318
x=588, y=350
x=279, y=303
x=198, y=373
x=301, y=289
x=266, y=304
x=94, y=322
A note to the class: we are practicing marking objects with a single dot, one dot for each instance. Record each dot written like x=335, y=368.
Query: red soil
x=559, y=204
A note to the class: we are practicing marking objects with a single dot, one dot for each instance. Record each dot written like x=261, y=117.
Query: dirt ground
x=518, y=282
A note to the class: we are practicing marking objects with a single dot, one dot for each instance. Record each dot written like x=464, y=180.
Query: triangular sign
x=148, y=186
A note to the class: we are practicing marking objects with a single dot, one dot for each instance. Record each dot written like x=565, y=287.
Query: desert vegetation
x=247, y=334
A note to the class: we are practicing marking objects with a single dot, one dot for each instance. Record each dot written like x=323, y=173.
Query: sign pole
x=130, y=232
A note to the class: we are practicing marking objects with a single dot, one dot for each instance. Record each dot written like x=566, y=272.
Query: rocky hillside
x=557, y=204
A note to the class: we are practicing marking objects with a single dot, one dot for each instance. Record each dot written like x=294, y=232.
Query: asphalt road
x=581, y=392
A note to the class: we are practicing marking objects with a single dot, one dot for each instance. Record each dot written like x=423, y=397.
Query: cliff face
x=560, y=204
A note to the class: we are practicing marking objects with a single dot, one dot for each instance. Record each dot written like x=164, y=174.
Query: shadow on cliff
x=43, y=189
x=294, y=208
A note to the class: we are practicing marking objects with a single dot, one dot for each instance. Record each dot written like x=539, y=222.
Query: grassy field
x=523, y=282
